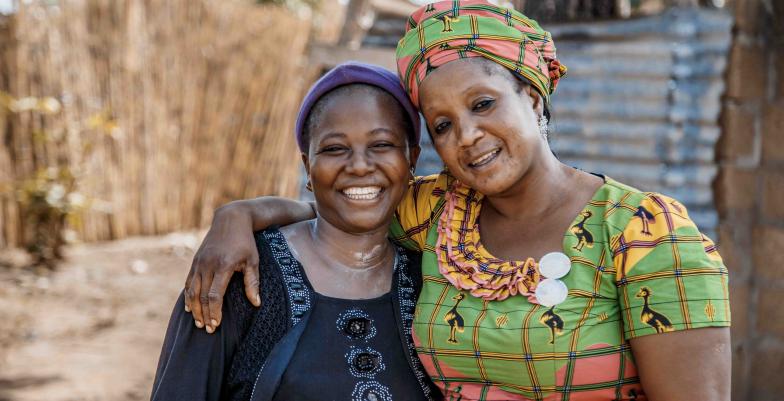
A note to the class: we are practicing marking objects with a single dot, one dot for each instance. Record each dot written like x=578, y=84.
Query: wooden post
x=359, y=18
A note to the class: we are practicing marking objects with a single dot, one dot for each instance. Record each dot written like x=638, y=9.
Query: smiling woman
x=338, y=297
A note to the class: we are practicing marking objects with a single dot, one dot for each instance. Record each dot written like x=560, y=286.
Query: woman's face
x=359, y=160
x=483, y=125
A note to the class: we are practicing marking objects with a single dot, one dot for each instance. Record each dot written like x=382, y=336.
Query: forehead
x=361, y=110
x=360, y=103
x=461, y=75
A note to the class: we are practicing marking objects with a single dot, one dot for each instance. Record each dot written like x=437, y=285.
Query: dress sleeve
x=669, y=276
x=193, y=364
x=418, y=211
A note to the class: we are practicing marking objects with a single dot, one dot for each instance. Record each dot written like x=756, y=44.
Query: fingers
x=187, y=291
x=193, y=294
x=215, y=296
x=251, y=276
x=204, y=301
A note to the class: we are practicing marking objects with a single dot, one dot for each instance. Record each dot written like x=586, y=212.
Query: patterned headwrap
x=445, y=31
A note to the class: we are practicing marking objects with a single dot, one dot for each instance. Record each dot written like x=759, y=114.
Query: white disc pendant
x=551, y=292
x=554, y=265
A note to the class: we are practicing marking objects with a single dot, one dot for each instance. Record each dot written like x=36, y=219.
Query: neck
x=356, y=251
x=543, y=188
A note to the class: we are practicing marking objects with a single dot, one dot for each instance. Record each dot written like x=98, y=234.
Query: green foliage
x=47, y=198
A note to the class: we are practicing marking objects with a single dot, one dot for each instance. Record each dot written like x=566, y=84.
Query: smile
x=362, y=193
x=485, y=159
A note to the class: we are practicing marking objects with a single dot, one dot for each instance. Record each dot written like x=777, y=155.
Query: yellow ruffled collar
x=466, y=263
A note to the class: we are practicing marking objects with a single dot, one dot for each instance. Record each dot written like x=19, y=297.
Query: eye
x=331, y=149
x=483, y=104
x=442, y=127
x=383, y=144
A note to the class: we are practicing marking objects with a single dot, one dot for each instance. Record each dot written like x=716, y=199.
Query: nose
x=360, y=164
x=469, y=135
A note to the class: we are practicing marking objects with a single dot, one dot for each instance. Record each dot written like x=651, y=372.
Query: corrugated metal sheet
x=641, y=103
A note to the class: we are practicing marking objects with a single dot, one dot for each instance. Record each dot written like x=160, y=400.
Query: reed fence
x=151, y=112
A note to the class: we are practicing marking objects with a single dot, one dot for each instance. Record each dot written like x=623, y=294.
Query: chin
x=359, y=222
x=491, y=184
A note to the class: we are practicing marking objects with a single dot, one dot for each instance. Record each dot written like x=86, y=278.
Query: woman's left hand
x=688, y=365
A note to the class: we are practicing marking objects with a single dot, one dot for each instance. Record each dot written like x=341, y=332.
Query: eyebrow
x=474, y=88
x=471, y=88
x=381, y=130
x=330, y=136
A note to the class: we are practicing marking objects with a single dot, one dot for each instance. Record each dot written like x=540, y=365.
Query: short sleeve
x=418, y=210
x=669, y=276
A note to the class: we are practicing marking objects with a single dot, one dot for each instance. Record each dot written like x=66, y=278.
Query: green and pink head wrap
x=445, y=31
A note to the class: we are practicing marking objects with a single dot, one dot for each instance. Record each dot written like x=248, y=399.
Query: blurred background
x=125, y=123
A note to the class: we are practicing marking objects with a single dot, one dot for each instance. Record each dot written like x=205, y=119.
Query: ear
x=306, y=163
x=537, y=102
x=413, y=154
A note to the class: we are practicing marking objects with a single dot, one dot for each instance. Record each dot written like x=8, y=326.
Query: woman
x=574, y=286
x=338, y=296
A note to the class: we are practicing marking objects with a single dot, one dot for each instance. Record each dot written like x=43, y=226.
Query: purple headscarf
x=353, y=72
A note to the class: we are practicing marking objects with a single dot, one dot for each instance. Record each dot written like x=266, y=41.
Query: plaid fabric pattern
x=639, y=267
x=445, y=31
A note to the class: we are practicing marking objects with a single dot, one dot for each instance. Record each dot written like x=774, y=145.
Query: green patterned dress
x=639, y=266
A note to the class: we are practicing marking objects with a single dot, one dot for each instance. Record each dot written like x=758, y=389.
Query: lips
x=362, y=193
x=485, y=158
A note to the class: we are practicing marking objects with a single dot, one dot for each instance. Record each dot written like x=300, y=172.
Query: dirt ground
x=91, y=330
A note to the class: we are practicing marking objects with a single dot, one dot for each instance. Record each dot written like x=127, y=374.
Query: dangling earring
x=544, y=129
x=308, y=186
x=412, y=171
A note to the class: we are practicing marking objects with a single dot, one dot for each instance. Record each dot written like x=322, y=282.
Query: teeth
x=484, y=158
x=362, y=193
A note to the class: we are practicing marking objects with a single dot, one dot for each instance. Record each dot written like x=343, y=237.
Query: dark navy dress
x=299, y=345
x=350, y=351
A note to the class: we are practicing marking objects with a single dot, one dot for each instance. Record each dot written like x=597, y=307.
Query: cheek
x=396, y=167
x=446, y=150
x=322, y=172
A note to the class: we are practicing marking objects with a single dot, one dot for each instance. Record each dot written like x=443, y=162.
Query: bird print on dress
x=454, y=319
x=456, y=393
x=429, y=67
x=584, y=237
x=650, y=316
x=553, y=321
x=447, y=20
x=646, y=217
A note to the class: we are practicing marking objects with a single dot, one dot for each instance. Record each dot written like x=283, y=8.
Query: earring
x=544, y=129
x=412, y=170
x=308, y=186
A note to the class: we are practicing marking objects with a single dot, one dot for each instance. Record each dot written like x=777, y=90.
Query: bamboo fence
x=169, y=108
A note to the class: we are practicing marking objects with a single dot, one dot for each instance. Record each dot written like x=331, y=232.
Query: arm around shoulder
x=229, y=247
